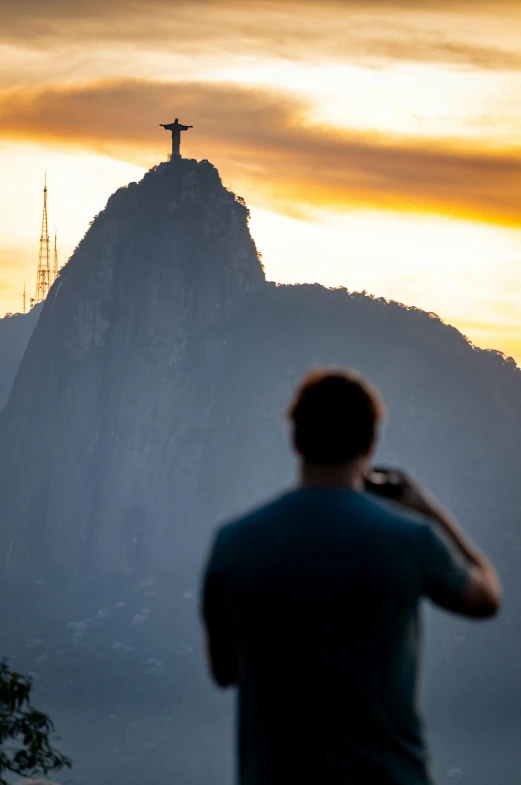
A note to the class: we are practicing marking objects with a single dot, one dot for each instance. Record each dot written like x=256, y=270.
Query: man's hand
x=412, y=495
x=482, y=597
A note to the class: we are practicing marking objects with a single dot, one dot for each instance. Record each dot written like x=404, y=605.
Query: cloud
x=361, y=30
x=413, y=46
x=266, y=147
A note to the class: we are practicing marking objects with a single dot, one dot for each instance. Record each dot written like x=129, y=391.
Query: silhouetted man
x=311, y=605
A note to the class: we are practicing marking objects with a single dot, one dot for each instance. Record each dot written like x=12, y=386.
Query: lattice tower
x=43, y=275
x=55, y=267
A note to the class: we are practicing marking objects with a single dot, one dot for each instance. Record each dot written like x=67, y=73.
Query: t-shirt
x=312, y=605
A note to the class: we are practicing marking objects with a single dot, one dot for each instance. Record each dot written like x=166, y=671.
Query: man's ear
x=367, y=455
x=294, y=441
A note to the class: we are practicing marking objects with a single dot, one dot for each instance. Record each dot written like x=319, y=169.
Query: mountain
x=117, y=351
x=15, y=331
x=148, y=406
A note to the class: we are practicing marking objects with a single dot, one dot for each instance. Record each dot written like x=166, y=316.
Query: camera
x=384, y=482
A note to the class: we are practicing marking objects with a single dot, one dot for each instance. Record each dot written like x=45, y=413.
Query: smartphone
x=384, y=482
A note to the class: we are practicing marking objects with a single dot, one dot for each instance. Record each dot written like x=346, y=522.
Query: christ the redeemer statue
x=176, y=129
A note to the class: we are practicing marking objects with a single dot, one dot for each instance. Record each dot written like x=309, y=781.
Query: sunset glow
x=376, y=144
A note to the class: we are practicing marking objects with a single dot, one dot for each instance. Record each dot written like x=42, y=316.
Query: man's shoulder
x=234, y=539
x=392, y=514
x=244, y=525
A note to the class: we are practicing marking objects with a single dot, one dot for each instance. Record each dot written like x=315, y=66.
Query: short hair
x=335, y=416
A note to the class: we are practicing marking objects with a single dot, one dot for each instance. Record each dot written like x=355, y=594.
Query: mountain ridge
x=128, y=350
x=148, y=407
x=118, y=307
x=15, y=332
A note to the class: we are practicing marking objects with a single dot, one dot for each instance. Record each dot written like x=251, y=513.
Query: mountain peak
x=166, y=259
x=176, y=244
x=184, y=179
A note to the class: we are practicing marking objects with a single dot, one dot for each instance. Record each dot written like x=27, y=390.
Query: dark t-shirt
x=312, y=605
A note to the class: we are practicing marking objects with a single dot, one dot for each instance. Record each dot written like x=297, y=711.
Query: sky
x=376, y=142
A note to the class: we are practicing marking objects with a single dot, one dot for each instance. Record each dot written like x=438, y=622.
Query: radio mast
x=55, y=268
x=43, y=274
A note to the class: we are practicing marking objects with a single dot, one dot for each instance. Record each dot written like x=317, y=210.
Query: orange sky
x=376, y=142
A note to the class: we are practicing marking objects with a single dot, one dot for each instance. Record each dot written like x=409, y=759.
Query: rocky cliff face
x=104, y=469
x=148, y=403
x=148, y=406
x=15, y=331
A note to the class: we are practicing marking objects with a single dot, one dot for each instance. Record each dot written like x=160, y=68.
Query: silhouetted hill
x=15, y=331
x=451, y=406
x=148, y=406
x=120, y=334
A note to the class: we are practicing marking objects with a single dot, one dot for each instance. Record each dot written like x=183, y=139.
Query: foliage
x=25, y=746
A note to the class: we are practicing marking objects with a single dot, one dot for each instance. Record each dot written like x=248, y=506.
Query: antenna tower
x=43, y=275
x=24, y=300
x=55, y=268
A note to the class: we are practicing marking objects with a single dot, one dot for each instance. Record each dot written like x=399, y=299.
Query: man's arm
x=481, y=594
x=220, y=635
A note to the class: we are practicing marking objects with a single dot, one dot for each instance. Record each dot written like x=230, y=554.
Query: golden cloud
x=265, y=142
x=368, y=30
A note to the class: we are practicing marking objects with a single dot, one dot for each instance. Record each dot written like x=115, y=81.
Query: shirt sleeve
x=212, y=599
x=445, y=573
x=216, y=610
x=214, y=577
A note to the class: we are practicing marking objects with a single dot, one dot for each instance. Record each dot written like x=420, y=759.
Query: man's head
x=335, y=416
